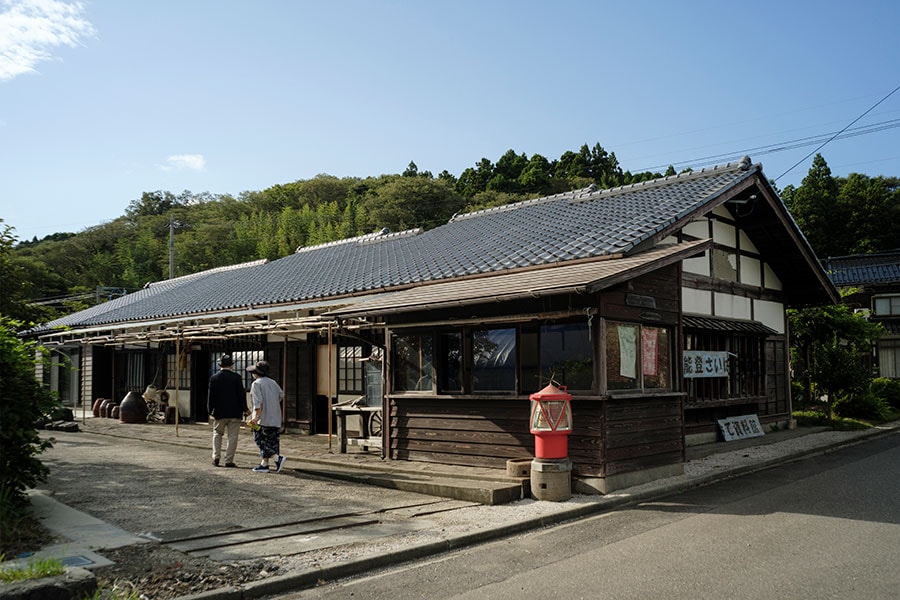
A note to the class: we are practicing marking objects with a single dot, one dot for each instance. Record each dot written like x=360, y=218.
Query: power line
x=716, y=159
x=838, y=133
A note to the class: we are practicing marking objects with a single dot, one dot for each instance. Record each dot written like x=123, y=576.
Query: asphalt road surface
x=825, y=527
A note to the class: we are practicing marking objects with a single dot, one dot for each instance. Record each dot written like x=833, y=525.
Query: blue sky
x=102, y=100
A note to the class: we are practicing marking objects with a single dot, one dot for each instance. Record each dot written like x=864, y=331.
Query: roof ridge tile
x=368, y=238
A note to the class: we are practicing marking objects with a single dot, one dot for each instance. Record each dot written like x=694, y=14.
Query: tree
x=22, y=403
x=15, y=286
x=411, y=170
x=818, y=212
x=536, y=177
x=507, y=172
x=474, y=180
x=152, y=203
x=828, y=345
x=401, y=203
x=872, y=210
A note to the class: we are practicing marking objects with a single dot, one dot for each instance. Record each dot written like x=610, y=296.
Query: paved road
x=827, y=527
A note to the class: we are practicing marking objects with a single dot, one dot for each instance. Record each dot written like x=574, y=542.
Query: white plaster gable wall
x=698, y=266
x=724, y=234
x=772, y=281
x=733, y=307
x=746, y=244
x=752, y=272
x=698, y=302
x=770, y=314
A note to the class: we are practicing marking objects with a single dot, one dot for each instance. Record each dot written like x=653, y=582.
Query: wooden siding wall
x=611, y=436
x=87, y=376
x=778, y=401
x=477, y=432
x=662, y=285
x=642, y=433
x=621, y=435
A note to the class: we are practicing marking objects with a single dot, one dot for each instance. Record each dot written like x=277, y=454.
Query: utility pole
x=171, y=247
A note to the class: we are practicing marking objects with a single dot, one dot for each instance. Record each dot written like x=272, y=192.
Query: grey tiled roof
x=864, y=269
x=576, y=225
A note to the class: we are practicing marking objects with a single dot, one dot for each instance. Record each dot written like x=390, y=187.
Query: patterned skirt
x=267, y=440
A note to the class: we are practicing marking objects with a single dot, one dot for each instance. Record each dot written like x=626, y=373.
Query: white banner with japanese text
x=704, y=363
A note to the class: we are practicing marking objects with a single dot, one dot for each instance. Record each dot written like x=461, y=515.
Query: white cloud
x=31, y=29
x=195, y=162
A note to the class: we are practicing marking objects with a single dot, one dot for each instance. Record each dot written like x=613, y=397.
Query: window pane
x=413, y=358
x=530, y=378
x=622, y=356
x=242, y=360
x=882, y=306
x=450, y=362
x=135, y=371
x=889, y=358
x=494, y=360
x=350, y=370
x=567, y=356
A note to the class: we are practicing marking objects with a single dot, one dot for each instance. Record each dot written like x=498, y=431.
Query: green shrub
x=887, y=389
x=22, y=403
x=863, y=406
x=816, y=418
x=848, y=424
x=810, y=418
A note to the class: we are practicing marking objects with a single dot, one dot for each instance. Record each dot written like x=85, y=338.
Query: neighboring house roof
x=864, y=269
x=584, y=225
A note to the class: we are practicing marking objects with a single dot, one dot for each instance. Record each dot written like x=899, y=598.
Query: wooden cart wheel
x=375, y=424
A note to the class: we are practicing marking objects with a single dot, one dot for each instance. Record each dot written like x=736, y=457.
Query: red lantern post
x=551, y=424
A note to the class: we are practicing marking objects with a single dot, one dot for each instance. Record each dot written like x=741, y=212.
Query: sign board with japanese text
x=703, y=363
x=739, y=428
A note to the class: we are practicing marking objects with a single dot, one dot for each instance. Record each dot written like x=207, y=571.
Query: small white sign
x=739, y=428
x=702, y=363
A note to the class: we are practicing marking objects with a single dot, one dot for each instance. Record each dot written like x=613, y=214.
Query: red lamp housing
x=551, y=422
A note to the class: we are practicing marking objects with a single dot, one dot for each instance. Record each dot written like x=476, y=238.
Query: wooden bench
x=370, y=426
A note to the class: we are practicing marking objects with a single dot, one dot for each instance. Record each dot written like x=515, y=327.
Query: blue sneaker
x=279, y=463
x=261, y=469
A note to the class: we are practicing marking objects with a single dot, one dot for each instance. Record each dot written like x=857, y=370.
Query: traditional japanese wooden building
x=659, y=306
x=872, y=286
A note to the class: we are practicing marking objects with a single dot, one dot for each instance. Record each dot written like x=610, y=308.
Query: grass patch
x=22, y=531
x=815, y=418
x=115, y=594
x=36, y=569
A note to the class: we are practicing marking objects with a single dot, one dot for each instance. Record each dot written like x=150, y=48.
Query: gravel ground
x=144, y=488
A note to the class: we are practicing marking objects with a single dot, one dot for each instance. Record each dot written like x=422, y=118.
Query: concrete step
x=482, y=491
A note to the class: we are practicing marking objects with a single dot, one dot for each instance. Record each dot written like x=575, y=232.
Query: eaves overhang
x=577, y=278
x=287, y=320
